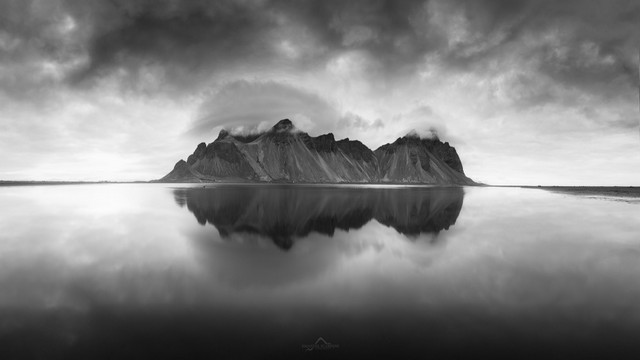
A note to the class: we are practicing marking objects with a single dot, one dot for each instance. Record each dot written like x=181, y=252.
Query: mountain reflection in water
x=119, y=271
x=283, y=213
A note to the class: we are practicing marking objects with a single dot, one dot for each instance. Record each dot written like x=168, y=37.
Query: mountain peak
x=412, y=134
x=283, y=125
x=431, y=134
x=285, y=154
x=222, y=134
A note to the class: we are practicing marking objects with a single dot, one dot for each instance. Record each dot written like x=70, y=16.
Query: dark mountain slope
x=284, y=154
x=415, y=160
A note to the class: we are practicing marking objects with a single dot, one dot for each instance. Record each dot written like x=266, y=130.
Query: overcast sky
x=528, y=91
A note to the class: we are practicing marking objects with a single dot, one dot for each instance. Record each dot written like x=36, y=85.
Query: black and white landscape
x=284, y=154
x=351, y=179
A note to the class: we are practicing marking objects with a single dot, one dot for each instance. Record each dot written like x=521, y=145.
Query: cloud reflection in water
x=315, y=230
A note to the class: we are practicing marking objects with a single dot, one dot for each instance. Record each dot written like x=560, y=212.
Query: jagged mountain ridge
x=285, y=213
x=284, y=154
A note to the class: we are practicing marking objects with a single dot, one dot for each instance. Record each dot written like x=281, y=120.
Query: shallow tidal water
x=131, y=271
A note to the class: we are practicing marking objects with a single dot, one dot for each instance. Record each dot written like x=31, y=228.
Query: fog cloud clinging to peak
x=518, y=86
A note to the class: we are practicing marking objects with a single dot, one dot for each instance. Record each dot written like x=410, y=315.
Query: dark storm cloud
x=188, y=39
x=195, y=38
x=581, y=43
x=192, y=40
x=36, y=47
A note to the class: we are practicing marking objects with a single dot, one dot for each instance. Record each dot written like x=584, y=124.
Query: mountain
x=285, y=154
x=415, y=160
x=285, y=213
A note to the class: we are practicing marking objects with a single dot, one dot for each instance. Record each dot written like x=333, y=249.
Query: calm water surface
x=264, y=271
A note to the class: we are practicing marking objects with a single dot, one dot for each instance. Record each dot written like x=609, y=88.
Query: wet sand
x=615, y=191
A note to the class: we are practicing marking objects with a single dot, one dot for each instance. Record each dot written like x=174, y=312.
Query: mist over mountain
x=285, y=154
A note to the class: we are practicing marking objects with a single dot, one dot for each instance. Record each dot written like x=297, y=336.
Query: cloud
x=577, y=43
x=351, y=120
x=252, y=106
x=187, y=39
x=485, y=69
x=425, y=122
x=38, y=48
x=188, y=44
